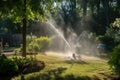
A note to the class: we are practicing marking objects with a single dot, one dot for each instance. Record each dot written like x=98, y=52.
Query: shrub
x=40, y=44
x=33, y=47
x=7, y=66
x=44, y=43
x=114, y=61
x=114, y=33
x=29, y=39
x=27, y=65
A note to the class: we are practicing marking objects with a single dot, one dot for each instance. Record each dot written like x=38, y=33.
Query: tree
x=9, y=27
x=23, y=10
x=84, y=6
x=68, y=15
x=117, y=23
x=105, y=4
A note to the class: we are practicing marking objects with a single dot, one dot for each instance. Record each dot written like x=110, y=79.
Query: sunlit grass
x=85, y=68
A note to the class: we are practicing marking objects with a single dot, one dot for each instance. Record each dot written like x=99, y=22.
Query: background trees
x=79, y=15
x=93, y=15
x=23, y=10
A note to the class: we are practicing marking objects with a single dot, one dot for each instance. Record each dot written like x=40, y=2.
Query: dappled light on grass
x=59, y=68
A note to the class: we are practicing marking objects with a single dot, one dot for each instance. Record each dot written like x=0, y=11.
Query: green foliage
x=105, y=39
x=117, y=23
x=114, y=61
x=21, y=11
x=30, y=38
x=111, y=32
x=16, y=12
x=16, y=51
x=40, y=44
x=23, y=60
x=28, y=64
x=108, y=40
x=114, y=31
x=33, y=47
x=44, y=43
x=77, y=68
x=9, y=27
x=7, y=66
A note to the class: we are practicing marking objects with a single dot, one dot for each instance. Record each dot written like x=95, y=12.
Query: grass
x=92, y=69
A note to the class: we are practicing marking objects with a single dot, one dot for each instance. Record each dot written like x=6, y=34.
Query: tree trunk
x=118, y=5
x=106, y=10
x=24, y=22
x=98, y=7
x=84, y=6
x=24, y=37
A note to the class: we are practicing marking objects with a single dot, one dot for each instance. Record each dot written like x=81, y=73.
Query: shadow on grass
x=5, y=78
x=75, y=61
x=112, y=76
x=104, y=56
x=56, y=74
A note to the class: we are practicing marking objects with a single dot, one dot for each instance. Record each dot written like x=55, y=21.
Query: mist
x=66, y=41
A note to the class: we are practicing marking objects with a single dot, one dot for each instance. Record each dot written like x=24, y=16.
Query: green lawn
x=58, y=68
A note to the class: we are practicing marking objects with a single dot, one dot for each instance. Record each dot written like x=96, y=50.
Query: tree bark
x=98, y=7
x=84, y=6
x=24, y=37
x=118, y=5
x=106, y=10
x=24, y=22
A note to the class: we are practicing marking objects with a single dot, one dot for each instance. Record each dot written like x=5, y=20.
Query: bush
x=114, y=61
x=27, y=65
x=30, y=38
x=17, y=65
x=7, y=66
x=40, y=44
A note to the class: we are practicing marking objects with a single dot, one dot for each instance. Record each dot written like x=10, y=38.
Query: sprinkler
x=74, y=56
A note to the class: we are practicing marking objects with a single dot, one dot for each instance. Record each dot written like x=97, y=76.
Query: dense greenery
x=93, y=15
x=19, y=65
x=40, y=44
x=115, y=60
x=115, y=55
x=79, y=15
x=9, y=27
x=23, y=10
x=98, y=16
x=28, y=65
x=58, y=68
x=7, y=66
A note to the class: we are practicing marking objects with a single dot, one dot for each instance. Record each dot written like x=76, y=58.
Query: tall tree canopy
x=95, y=15
x=23, y=10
